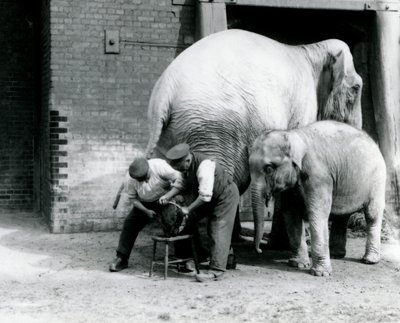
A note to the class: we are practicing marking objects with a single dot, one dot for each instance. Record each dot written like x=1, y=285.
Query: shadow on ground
x=26, y=234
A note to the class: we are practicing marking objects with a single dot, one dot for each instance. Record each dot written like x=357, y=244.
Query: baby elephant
x=334, y=170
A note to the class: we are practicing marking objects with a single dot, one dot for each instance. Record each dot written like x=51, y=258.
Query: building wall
x=98, y=101
x=94, y=103
x=17, y=106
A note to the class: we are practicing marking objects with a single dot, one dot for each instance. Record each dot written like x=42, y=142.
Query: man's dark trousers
x=133, y=224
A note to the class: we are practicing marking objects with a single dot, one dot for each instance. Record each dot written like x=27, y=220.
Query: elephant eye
x=268, y=169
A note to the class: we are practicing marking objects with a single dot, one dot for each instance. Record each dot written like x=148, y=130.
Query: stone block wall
x=98, y=101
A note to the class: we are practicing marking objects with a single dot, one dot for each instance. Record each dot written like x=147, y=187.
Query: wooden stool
x=167, y=261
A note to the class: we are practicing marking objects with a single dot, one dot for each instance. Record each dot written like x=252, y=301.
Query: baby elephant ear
x=297, y=150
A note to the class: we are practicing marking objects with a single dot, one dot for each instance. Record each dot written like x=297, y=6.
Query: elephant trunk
x=258, y=194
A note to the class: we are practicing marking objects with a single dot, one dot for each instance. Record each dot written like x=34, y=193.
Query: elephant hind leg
x=338, y=236
x=373, y=217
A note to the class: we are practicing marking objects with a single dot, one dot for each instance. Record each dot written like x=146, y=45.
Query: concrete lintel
x=211, y=18
x=353, y=5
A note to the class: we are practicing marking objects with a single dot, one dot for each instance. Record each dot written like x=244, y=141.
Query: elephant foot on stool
x=371, y=258
x=321, y=271
x=301, y=263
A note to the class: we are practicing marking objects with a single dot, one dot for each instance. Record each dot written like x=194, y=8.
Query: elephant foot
x=321, y=271
x=371, y=258
x=299, y=263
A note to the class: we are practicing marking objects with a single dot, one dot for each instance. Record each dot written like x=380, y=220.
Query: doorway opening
x=19, y=106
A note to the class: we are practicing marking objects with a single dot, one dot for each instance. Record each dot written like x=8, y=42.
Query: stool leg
x=154, y=258
x=196, y=260
x=166, y=258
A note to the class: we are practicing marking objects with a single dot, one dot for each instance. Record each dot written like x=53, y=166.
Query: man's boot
x=119, y=263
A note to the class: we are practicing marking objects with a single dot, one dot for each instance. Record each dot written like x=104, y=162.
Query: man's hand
x=151, y=213
x=163, y=200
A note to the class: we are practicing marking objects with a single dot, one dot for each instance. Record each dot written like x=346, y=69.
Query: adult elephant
x=224, y=90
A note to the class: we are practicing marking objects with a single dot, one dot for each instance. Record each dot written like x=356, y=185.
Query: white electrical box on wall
x=111, y=41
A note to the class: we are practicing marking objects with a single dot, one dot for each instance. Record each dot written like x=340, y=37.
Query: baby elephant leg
x=318, y=208
x=297, y=238
x=373, y=217
x=338, y=236
x=321, y=263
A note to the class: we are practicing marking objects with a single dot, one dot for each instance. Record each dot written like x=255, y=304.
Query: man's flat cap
x=179, y=151
x=139, y=168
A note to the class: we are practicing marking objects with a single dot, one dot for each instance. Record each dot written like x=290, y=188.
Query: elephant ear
x=338, y=68
x=330, y=82
x=297, y=150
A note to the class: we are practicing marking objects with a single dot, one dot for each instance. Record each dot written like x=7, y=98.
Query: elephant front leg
x=321, y=263
x=373, y=216
x=318, y=209
x=296, y=234
x=338, y=236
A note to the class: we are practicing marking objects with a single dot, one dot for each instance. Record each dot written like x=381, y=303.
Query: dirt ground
x=64, y=278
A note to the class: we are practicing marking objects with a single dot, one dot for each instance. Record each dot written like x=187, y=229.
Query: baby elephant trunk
x=259, y=195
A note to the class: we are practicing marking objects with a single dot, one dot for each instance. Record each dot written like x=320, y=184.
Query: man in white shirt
x=217, y=198
x=149, y=184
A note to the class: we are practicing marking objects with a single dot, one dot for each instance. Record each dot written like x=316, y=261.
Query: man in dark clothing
x=217, y=196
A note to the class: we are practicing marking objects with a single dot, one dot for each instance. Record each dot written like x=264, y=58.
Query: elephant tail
x=158, y=113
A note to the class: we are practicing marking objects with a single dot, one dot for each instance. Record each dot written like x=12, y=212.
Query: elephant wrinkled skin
x=337, y=170
x=226, y=89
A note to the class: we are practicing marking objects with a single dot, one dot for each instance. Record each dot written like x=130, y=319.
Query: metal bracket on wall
x=183, y=2
x=218, y=1
x=382, y=5
x=353, y=5
x=156, y=44
x=111, y=41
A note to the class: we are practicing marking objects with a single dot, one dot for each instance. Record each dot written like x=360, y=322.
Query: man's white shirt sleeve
x=166, y=172
x=205, y=175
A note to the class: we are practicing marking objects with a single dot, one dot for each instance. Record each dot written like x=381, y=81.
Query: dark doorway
x=19, y=85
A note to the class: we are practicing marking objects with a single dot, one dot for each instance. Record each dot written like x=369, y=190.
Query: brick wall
x=98, y=102
x=17, y=106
